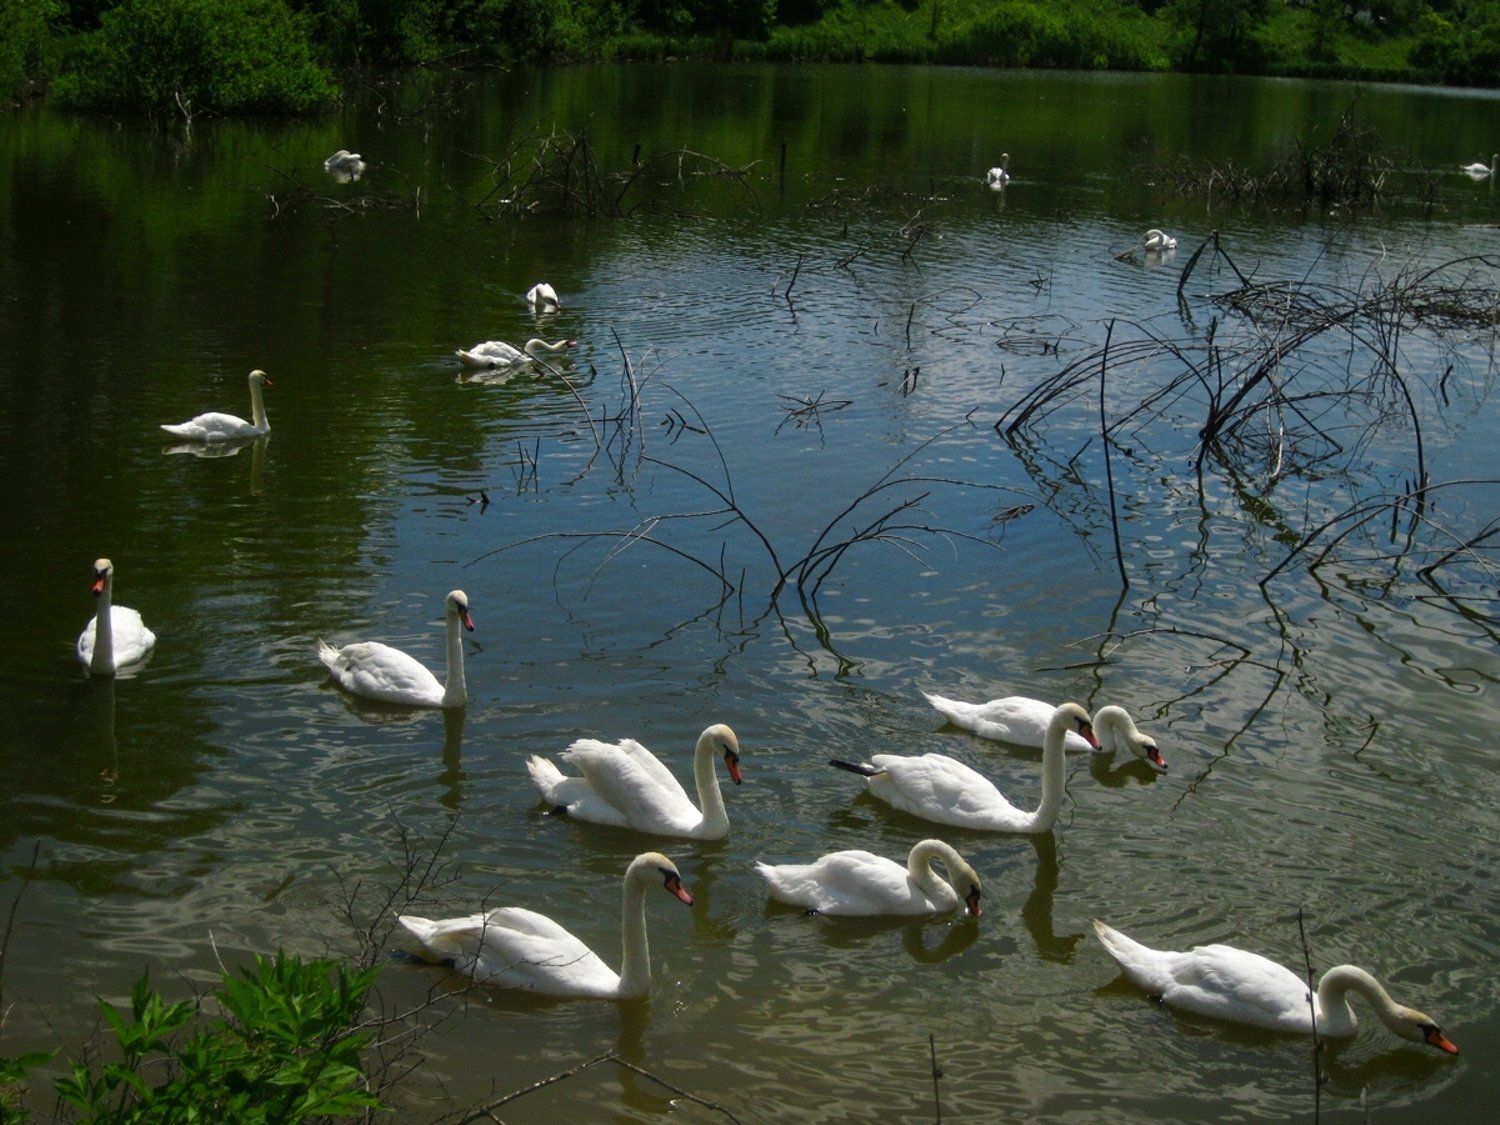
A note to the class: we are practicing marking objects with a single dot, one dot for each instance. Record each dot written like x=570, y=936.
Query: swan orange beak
x=466, y=619
x=1153, y=755
x=1087, y=731
x=1441, y=1041
x=98, y=586
x=971, y=903
x=732, y=764
x=674, y=884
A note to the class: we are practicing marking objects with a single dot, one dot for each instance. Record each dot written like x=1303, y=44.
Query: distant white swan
x=1234, y=984
x=543, y=298
x=215, y=426
x=999, y=176
x=518, y=948
x=860, y=883
x=497, y=353
x=115, y=636
x=378, y=671
x=942, y=789
x=1156, y=240
x=1477, y=169
x=1023, y=721
x=345, y=163
x=626, y=785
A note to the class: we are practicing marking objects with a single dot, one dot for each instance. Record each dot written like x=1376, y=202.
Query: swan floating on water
x=497, y=353
x=999, y=176
x=518, y=948
x=1023, y=721
x=860, y=883
x=116, y=636
x=626, y=785
x=543, y=298
x=378, y=671
x=1156, y=241
x=942, y=789
x=215, y=426
x=1479, y=170
x=345, y=165
x=1233, y=984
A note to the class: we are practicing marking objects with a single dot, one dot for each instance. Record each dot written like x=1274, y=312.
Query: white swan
x=1156, y=240
x=1477, y=169
x=543, y=298
x=378, y=671
x=518, y=948
x=345, y=164
x=115, y=636
x=999, y=176
x=1234, y=984
x=626, y=785
x=938, y=788
x=497, y=353
x=862, y=883
x=1022, y=720
x=226, y=427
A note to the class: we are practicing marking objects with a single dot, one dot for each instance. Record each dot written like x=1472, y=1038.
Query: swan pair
x=1023, y=721
x=860, y=883
x=378, y=671
x=625, y=785
x=1477, y=169
x=497, y=353
x=518, y=948
x=116, y=636
x=543, y=298
x=1234, y=984
x=941, y=789
x=999, y=176
x=215, y=426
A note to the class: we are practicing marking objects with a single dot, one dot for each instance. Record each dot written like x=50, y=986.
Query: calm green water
x=1330, y=740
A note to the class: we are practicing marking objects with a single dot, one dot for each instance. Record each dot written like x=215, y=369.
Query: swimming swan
x=115, y=636
x=543, y=298
x=999, y=176
x=1156, y=240
x=378, y=671
x=1481, y=169
x=497, y=353
x=345, y=164
x=1023, y=721
x=626, y=785
x=860, y=883
x=518, y=948
x=1234, y=984
x=226, y=427
x=938, y=788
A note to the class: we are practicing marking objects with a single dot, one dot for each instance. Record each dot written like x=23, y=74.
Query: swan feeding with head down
x=858, y=883
x=1480, y=170
x=939, y=788
x=215, y=426
x=626, y=785
x=1158, y=241
x=1234, y=984
x=116, y=636
x=1023, y=721
x=518, y=948
x=497, y=353
x=378, y=671
x=543, y=298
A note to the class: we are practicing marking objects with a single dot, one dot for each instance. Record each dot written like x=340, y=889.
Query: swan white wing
x=378, y=671
x=1017, y=719
x=653, y=766
x=516, y=948
x=574, y=795
x=492, y=353
x=634, y=790
x=131, y=639
x=941, y=789
x=850, y=883
x=214, y=426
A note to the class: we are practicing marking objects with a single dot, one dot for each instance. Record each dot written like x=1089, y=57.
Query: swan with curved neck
x=215, y=426
x=860, y=883
x=1235, y=984
x=543, y=298
x=378, y=671
x=518, y=948
x=1477, y=169
x=116, y=636
x=999, y=176
x=345, y=165
x=1021, y=720
x=938, y=788
x=1157, y=241
x=626, y=785
x=497, y=353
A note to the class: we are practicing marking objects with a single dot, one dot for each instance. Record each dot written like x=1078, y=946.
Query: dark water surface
x=853, y=308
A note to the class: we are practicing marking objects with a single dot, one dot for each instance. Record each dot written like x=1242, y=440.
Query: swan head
x=1070, y=716
x=1411, y=1024
x=543, y=297
x=458, y=606
x=259, y=377
x=723, y=741
x=103, y=569
x=1120, y=728
x=650, y=866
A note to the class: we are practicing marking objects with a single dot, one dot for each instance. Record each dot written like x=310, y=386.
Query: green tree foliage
x=1460, y=47
x=192, y=56
x=1217, y=35
x=27, y=28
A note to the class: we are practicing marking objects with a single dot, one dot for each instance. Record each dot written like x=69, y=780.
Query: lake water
x=804, y=291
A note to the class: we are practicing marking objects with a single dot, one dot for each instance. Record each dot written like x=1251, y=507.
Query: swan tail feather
x=544, y=775
x=864, y=769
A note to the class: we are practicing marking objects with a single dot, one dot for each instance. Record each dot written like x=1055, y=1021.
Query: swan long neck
x=258, y=407
x=1336, y=1017
x=1054, y=776
x=535, y=346
x=919, y=869
x=710, y=796
x=103, y=660
x=455, y=689
x=635, y=960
